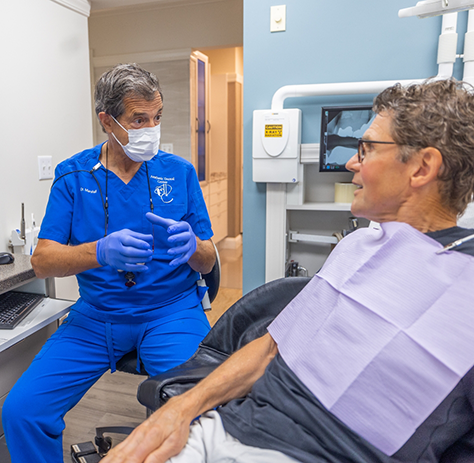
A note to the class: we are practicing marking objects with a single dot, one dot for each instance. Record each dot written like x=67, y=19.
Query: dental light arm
x=428, y=8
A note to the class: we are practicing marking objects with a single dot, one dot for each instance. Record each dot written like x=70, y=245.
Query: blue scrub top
x=75, y=215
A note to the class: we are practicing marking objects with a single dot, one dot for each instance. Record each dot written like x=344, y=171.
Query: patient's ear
x=426, y=167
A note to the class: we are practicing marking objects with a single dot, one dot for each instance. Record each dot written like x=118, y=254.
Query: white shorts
x=209, y=443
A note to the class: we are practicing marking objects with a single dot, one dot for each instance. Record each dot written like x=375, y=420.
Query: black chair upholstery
x=245, y=321
x=461, y=451
x=128, y=363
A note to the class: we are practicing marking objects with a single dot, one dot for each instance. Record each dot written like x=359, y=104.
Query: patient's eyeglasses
x=361, y=147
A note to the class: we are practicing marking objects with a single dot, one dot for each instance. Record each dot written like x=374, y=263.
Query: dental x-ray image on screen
x=341, y=127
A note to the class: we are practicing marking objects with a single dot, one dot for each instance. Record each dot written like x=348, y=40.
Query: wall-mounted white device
x=276, y=145
x=428, y=8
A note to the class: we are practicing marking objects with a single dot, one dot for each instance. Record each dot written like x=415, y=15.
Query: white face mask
x=143, y=144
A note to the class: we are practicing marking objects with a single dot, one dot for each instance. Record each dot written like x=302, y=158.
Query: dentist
x=131, y=223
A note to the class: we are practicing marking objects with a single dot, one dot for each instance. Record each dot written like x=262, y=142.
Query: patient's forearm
x=234, y=378
x=165, y=433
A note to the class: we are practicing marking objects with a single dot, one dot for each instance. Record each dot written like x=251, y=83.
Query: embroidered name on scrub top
x=384, y=332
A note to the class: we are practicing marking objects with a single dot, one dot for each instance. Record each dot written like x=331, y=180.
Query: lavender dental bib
x=383, y=332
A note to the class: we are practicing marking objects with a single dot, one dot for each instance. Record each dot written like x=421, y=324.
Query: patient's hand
x=159, y=438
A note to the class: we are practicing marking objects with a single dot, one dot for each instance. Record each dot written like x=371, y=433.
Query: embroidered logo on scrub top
x=88, y=191
x=164, y=189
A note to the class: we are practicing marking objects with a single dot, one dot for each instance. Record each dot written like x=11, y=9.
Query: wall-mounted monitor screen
x=341, y=127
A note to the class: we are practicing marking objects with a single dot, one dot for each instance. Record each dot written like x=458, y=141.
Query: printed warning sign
x=274, y=130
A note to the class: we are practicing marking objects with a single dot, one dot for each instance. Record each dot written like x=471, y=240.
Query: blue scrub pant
x=73, y=359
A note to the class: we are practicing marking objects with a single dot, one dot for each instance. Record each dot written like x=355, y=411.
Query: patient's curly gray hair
x=438, y=114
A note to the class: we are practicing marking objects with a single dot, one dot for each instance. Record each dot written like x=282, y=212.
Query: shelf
x=47, y=312
x=319, y=207
x=295, y=236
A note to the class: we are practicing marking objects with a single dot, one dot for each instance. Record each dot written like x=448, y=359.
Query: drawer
x=204, y=187
x=219, y=226
x=16, y=359
x=217, y=209
x=218, y=196
x=206, y=192
x=207, y=200
x=220, y=185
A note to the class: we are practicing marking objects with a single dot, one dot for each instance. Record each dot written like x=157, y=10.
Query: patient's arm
x=165, y=433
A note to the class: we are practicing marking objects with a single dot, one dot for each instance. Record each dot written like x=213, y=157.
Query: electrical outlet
x=45, y=166
x=168, y=147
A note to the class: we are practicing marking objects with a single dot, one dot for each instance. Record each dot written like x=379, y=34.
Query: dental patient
x=372, y=362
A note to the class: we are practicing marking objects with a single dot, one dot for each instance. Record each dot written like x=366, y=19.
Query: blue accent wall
x=324, y=42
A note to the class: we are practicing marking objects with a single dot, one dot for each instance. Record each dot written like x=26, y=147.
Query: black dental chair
x=243, y=322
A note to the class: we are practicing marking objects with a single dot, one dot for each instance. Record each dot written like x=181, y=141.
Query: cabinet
x=13, y=362
x=218, y=206
x=18, y=347
x=215, y=196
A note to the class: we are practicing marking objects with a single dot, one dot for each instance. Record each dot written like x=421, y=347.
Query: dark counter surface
x=17, y=273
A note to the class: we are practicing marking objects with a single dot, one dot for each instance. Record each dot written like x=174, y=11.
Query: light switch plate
x=278, y=18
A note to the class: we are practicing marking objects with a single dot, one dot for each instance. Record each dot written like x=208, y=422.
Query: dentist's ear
x=106, y=121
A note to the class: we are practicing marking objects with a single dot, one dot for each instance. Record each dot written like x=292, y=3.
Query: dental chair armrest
x=157, y=390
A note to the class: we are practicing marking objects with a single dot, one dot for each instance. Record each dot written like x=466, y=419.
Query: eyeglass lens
x=360, y=151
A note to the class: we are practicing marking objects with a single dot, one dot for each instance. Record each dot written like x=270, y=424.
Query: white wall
x=46, y=101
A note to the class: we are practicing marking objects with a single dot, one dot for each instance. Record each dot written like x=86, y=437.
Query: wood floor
x=112, y=400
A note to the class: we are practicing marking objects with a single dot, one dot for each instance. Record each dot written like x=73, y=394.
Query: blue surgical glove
x=125, y=250
x=182, y=240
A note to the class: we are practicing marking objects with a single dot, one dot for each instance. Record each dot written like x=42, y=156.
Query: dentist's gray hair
x=120, y=82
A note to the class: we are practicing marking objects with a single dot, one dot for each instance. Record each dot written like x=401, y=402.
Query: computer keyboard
x=15, y=306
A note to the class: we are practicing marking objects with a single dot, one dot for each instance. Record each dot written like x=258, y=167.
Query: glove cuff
x=98, y=253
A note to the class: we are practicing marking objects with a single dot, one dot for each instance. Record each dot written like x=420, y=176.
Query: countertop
x=17, y=273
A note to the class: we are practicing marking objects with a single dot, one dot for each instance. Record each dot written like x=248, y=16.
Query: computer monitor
x=341, y=127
